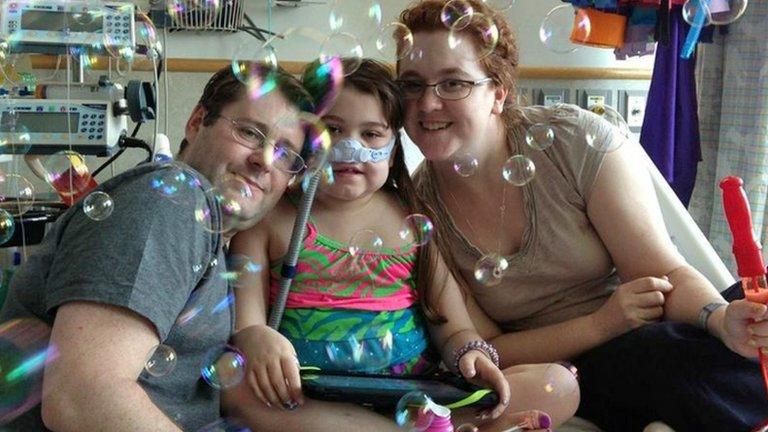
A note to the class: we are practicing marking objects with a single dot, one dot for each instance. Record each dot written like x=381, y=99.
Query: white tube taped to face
x=350, y=150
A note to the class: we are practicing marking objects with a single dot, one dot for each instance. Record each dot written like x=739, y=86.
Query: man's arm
x=92, y=385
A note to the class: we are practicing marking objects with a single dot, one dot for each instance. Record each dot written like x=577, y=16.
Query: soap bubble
x=394, y=41
x=416, y=230
x=363, y=247
x=146, y=34
x=5, y=50
x=453, y=10
x=224, y=367
x=161, y=361
x=68, y=173
x=540, y=136
x=339, y=46
x=98, y=205
x=316, y=138
x=286, y=42
x=482, y=26
x=175, y=183
x=345, y=16
x=7, y=226
x=490, y=269
x=117, y=47
x=723, y=12
x=691, y=8
x=86, y=17
x=235, y=199
x=413, y=411
x=242, y=271
x=200, y=12
x=208, y=261
x=87, y=55
x=553, y=381
x=518, y=170
x=14, y=135
x=323, y=81
x=364, y=242
x=17, y=195
x=557, y=26
x=24, y=353
x=368, y=354
x=465, y=165
x=255, y=65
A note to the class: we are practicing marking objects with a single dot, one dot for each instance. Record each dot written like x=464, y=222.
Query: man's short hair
x=224, y=88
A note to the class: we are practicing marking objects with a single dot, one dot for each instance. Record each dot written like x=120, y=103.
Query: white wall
x=525, y=16
x=185, y=88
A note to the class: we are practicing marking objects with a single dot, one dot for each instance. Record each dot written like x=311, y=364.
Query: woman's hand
x=744, y=327
x=477, y=368
x=633, y=304
x=272, y=366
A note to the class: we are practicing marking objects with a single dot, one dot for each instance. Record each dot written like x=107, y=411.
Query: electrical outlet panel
x=588, y=97
x=553, y=96
x=632, y=107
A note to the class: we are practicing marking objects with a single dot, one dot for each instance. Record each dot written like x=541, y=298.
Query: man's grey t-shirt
x=152, y=257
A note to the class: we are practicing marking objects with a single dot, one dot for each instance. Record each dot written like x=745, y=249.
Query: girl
x=334, y=314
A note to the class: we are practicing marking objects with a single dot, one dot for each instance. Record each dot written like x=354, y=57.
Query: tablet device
x=446, y=389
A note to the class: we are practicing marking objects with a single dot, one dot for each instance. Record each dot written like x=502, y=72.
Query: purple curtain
x=670, y=132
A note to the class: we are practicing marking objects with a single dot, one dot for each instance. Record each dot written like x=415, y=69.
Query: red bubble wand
x=746, y=250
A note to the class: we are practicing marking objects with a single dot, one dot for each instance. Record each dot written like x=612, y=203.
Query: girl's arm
x=272, y=369
x=252, y=296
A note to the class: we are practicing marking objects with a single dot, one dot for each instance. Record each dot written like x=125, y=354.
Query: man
x=112, y=290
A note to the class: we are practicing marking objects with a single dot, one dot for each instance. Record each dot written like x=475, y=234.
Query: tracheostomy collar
x=350, y=150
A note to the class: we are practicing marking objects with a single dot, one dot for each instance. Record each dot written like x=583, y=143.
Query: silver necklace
x=491, y=267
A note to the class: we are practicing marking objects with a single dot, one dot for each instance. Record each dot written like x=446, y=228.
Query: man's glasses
x=450, y=89
x=284, y=158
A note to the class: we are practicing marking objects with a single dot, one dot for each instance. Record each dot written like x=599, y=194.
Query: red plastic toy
x=746, y=249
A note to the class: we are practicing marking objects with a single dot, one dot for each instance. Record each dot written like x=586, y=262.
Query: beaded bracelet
x=481, y=345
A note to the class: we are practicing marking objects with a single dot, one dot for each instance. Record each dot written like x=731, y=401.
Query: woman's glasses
x=449, y=89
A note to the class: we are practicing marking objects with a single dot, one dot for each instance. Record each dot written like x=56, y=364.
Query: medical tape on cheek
x=350, y=150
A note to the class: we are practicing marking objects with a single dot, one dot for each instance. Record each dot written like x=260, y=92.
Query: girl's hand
x=272, y=368
x=633, y=305
x=477, y=368
x=744, y=327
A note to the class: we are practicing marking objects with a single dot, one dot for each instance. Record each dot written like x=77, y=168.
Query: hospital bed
x=685, y=235
x=692, y=244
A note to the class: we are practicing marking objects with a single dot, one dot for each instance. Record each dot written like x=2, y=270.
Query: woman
x=583, y=268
